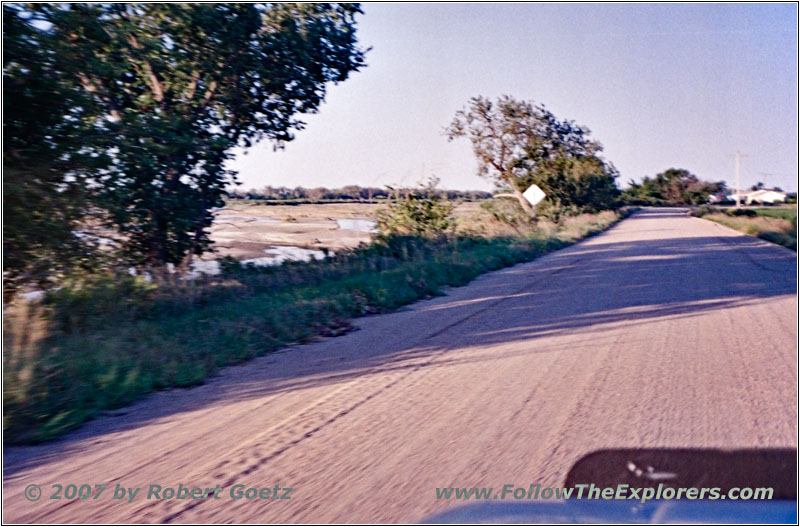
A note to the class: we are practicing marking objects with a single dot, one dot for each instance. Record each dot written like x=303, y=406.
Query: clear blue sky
x=659, y=85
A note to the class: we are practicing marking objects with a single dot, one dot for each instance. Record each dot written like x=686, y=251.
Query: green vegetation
x=787, y=213
x=47, y=160
x=518, y=144
x=106, y=341
x=671, y=187
x=776, y=224
x=124, y=115
x=422, y=214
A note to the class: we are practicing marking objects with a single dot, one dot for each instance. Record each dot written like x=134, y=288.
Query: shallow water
x=277, y=255
x=356, y=224
x=281, y=253
x=199, y=267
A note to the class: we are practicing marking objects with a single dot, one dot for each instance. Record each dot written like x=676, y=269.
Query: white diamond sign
x=534, y=195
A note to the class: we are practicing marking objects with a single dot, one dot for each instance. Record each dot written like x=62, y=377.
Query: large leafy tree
x=519, y=143
x=180, y=85
x=52, y=143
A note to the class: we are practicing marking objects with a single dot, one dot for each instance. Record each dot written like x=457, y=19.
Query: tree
x=51, y=147
x=518, y=143
x=673, y=187
x=179, y=86
x=576, y=184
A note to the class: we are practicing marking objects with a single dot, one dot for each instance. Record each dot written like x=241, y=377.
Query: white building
x=759, y=196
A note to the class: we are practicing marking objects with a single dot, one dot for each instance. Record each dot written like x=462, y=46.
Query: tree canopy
x=166, y=91
x=49, y=153
x=520, y=143
x=676, y=186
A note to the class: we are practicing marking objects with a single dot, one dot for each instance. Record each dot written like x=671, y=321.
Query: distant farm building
x=759, y=196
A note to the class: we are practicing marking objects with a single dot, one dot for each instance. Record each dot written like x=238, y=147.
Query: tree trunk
x=524, y=203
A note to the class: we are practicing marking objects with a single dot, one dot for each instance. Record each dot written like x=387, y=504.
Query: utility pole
x=738, y=158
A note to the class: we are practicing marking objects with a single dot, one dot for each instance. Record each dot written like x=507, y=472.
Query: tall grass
x=103, y=342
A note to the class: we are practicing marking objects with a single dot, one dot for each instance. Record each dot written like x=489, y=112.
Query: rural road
x=664, y=332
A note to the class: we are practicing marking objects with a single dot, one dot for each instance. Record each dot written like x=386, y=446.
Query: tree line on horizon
x=351, y=193
x=675, y=186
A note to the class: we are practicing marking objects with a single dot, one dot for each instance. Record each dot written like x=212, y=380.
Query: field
x=787, y=213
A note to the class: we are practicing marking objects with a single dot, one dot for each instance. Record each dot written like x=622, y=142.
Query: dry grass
x=751, y=225
x=773, y=229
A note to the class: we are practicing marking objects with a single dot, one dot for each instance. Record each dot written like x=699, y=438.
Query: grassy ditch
x=103, y=342
x=776, y=225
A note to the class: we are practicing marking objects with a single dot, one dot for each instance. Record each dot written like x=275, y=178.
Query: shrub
x=701, y=211
x=781, y=238
x=510, y=213
x=750, y=213
x=419, y=213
